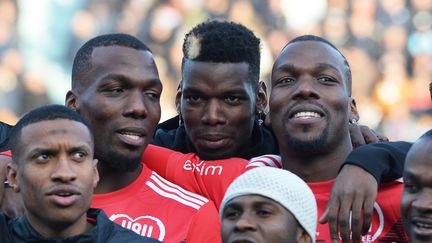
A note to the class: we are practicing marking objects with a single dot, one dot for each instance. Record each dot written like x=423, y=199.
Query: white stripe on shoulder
x=265, y=160
x=169, y=186
x=172, y=196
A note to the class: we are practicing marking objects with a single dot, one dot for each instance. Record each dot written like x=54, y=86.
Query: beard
x=121, y=163
x=311, y=145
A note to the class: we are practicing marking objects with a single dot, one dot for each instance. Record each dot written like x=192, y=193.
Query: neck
x=60, y=229
x=317, y=167
x=113, y=180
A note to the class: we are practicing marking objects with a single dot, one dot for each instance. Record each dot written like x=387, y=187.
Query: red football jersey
x=386, y=220
x=207, y=178
x=154, y=207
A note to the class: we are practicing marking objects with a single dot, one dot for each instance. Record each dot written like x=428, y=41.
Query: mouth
x=422, y=227
x=64, y=196
x=243, y=240
x=132, y=136
x=212, y=141
x=306, y=116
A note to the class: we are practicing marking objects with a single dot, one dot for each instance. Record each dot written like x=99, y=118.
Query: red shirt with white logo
x=386, y=220
x=207, y=178
x=154, y=207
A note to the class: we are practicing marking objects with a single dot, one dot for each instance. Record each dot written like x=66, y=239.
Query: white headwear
x=281, y=186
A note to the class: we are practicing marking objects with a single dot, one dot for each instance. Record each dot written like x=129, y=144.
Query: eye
x=79, y=155
x=43, y=158
x=152, y=94
x=231, y=214
x=264, y=212
x=326, y=79
x=193, y=99
x=232, y=100
x=286, y=80
x=411, y=188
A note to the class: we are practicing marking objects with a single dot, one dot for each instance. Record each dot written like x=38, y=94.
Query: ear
x=95, y=173
x=261, y=98
x=71, y=100
x=12, y=174
x=354, y=112
x=303, y=236
x=178, y=97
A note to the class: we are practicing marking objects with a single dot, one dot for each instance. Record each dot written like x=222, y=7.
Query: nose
x=305, y=88
x=64, y=170
x=135, y=106
x=423, y=203
x=213, y=113
x=245, y=223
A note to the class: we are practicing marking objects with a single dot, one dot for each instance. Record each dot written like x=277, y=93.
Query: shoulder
x=175, y=193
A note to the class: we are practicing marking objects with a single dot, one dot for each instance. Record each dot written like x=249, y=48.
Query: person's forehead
x=198, y=72
x=309, y=53
x=40, y=132
x=420, y=155
x=103, y=56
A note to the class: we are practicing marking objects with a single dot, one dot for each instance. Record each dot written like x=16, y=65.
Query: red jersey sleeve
x=205, y=226
x=6, y=153
x=207, y=178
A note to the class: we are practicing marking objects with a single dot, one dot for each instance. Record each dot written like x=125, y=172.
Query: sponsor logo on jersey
x=144, y=225
x=202, y=168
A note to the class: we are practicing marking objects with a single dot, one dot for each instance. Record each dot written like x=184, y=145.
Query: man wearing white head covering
x=268, y=205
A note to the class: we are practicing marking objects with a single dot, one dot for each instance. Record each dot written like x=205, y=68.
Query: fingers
x=382, y=138
x=367, y=214
x=356, y=226
x=357, y=138
x=369, y=135
x=330, y=216
x=344, y=218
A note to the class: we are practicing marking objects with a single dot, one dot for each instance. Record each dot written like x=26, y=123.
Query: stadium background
x=387, y=42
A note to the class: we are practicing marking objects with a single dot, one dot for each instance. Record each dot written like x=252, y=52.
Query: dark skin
x=416, y=202
x=218, y=104
x=295, y=81
x=120, y=101
x=10, y=201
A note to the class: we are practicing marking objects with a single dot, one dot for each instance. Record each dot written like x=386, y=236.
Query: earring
x=354, y=121
x=261, y=117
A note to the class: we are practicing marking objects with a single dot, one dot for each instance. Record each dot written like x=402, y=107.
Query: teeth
x=64, y=194
x=422, y=225
x=132, y=136
x=306, y=114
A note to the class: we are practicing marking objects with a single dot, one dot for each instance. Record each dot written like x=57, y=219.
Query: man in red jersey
x=310, y=106
x=116, y=88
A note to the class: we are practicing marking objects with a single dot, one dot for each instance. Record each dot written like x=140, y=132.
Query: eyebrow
x=125, y=79
x=288, y=67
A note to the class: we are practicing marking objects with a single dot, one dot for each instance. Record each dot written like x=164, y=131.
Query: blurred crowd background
x=387, y=42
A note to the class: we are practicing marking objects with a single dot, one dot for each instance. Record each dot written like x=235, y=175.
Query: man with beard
x=311, y=106
x=55, y=172
x=116, y=88
x=221, y=102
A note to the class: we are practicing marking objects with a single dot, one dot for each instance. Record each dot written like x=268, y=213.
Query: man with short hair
x=116, y=88
x=268, y=205
x=416, y=203
x=311, y=106
x=55, y=172
x=220, y=100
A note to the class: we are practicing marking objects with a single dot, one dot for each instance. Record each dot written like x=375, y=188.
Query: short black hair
x=82, y=62
x=348, y=75
x=223, y=42
x=43, y=113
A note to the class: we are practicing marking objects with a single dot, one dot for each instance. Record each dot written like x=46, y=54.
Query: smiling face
x=254, y=218
x=120, y=101
x=55, y=173
x=416, y=202
x=218, y=104
x=310, y=105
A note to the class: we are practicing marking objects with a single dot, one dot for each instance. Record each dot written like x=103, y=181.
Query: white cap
x=281, y=186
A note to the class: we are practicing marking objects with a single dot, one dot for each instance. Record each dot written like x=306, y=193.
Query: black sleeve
x=384, y=160
x=4, y=136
